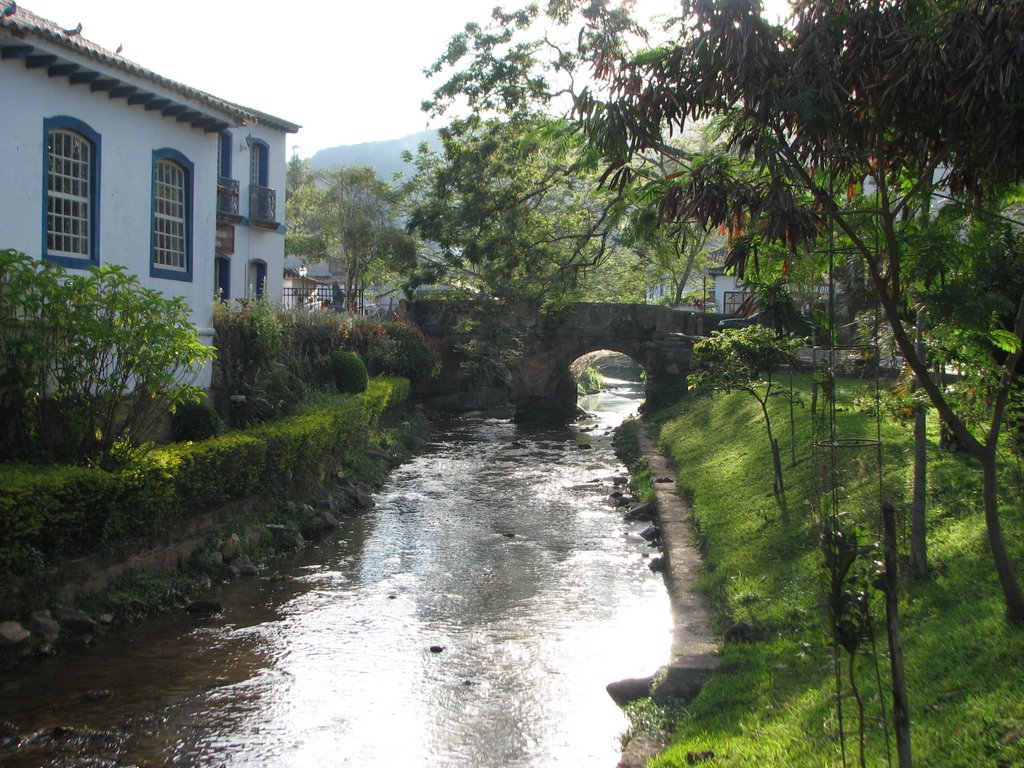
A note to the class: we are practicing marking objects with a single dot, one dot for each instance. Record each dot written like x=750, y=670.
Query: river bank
x=773, y=699
x=69, y=603
x=694, y=648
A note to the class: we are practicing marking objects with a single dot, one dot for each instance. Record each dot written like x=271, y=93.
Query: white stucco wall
x=128, y=137
x=253, y=243
x=722, y=283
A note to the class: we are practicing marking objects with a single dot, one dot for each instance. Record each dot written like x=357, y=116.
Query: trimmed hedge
x=51, y=514
x=349, y=371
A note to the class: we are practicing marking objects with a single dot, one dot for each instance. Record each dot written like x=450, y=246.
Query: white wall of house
x=726, y=284
x=130, y=117
x=255, y=244
x=128, y=137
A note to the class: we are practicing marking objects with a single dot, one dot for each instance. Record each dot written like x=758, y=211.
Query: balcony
x=263, y=207
x=227, y=198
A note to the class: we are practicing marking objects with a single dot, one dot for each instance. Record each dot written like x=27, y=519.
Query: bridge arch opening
x=610, y=383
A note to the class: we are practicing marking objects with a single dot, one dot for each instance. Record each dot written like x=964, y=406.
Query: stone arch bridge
x=539, y=350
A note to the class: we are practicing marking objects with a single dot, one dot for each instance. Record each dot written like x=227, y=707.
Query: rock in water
x=631, y=689
x=74, y=619
x=12, y=633
x=657, y=564
x=43, y=624
x=205, y=607
x=644, y=512
x=651, y=533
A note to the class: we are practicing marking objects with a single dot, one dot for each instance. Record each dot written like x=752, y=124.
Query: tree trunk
x=1004, y=566
x=777, y=463
x=352, y=285
x=778, y=487
x=900, y=702
x=918, y=524
x=918, y=539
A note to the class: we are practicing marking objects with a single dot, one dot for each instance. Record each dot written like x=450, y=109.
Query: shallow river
x=498, y=544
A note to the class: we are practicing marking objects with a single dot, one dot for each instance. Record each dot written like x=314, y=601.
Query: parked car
x=758, y=318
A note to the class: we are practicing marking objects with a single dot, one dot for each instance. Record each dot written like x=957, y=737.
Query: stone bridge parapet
x=537, y=349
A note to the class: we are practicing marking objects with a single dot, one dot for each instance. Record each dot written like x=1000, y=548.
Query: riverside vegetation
x=334, y=447
x=774, y=701
x=88, y=486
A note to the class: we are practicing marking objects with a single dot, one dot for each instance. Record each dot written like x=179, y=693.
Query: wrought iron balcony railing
x=263, y=205
x=227, y=196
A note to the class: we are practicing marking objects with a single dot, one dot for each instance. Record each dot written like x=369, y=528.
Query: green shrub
x=266, y=356
x=412, y=356
x=195, y=421
x=309, y=339
x=51, y=514
x=366, y=338
x=71, y=345
x=280, y=393
x=256, y=340
x=349, y=372
x=393, y=348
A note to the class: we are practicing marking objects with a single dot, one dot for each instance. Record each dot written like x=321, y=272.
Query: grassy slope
x=773, y=702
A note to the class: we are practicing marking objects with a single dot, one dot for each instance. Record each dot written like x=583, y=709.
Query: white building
x=105, y=162
x=727, y=292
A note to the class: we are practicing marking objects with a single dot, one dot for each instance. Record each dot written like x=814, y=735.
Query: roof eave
x=64, y=55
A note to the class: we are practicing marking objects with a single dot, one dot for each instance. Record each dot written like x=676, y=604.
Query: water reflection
x=472, y=619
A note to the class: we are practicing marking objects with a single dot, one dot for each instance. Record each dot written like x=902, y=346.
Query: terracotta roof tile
x=25, y=24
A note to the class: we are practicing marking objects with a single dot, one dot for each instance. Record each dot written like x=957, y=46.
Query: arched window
x=257, y=278
x=71, y=215
x=171, y=243
x=222, y=278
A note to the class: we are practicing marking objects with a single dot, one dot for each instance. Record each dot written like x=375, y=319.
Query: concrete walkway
x=693, y=655
x=693, y=641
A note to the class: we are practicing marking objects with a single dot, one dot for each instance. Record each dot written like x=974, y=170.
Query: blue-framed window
x=257, y=278
x=222, y=278
x=259, y=168
x=171, y=231
x=224, y=155
x=71, y=204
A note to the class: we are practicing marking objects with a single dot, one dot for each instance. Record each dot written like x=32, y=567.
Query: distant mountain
x=383, y=156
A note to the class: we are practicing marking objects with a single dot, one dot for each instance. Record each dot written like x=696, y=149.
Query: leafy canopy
x=350, y=216
x=852, y=122
x=513, y=207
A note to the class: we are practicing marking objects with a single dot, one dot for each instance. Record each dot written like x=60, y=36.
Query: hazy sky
x=348, y=71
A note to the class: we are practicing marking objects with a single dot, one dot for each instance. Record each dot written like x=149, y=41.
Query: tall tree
x=350, y=216
x=297, y=176
x=671, y=253
x=512, y=210
x=513, y=206
x=901, y=100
